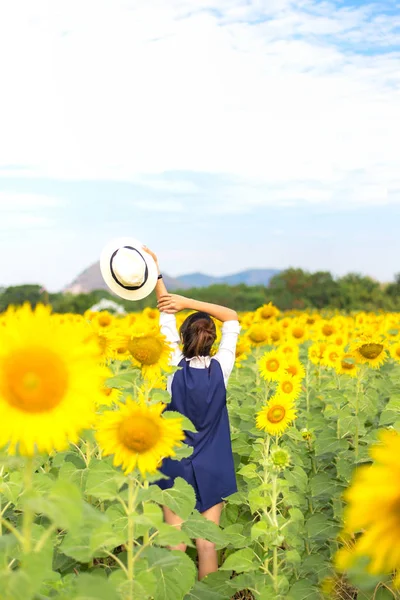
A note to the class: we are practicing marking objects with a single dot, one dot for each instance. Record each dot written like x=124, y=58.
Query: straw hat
x=128, y=270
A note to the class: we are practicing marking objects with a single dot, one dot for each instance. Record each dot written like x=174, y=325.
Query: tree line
x=290, y=289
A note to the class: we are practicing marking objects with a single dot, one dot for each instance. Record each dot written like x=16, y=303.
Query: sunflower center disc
x=36, y=380
x=371, y=350
x=276, y=414
x=292, y=369
x=298, y=332
x=104, y=320
x=272, y=365
x=287, y=387
x=147, y=349
x=139, y=433
x=257, y=334
x=327, y=330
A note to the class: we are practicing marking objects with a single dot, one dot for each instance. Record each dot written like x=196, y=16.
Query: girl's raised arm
x=172, y=303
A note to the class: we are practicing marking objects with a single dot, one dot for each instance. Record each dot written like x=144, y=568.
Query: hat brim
x=119, y=290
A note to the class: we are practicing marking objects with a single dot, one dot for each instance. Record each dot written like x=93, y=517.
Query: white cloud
x=167, y=206
x=12, y=222
x=13, y=201
x=274, y=95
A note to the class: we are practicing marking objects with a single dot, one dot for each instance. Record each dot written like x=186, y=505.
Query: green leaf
x=12, y=488
x=316, y=564
x=297, y=479
x=257, y=499
x=69, y=472
x=292, y=557
x=236, y=535
x=259, y=529
x=322, y=484
x=202, y=591
x=104, y=482
x=327, y=443
x=63, y=504
x=303, y=590
x=144, y=584
x=15, y=585
x=181, y=498
x=219, y=582
x=171, y=536
x=119, y=520
x=94, y=537
x=174, y=571
x=241, y=561
x=92, y=587
x=187, y=424
x=319, y=527
x=249, y=471
x=197, y=526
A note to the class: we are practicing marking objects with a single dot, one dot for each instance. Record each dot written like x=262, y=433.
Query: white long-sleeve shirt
x=226, y=354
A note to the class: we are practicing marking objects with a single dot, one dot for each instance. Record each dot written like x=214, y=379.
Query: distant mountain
x=91, y=279
x=249, y=277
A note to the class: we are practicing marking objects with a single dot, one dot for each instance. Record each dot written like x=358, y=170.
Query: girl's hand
x=154, y=257
x=172, y=303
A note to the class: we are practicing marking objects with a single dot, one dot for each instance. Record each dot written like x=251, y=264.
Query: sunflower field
x=314, y=405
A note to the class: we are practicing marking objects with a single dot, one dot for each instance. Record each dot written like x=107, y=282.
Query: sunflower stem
x=356, y=436
x=267, y=444
x=308, y=389
x=131, y=532
x=28, y=515
x=274, y=499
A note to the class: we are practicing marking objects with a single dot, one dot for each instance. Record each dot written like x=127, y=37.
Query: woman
x=198, y=391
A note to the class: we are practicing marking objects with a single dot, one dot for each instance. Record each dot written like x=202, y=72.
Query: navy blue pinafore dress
x=200, y=394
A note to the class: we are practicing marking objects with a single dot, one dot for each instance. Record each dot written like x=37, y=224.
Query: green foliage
x=93, y=533
x=290, y=289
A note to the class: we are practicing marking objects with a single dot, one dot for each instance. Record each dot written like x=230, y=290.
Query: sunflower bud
x=306, y=434
x=280, y=459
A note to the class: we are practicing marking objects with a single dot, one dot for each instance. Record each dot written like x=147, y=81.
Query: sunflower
x=347, y=365
x=275, y=335
x=276, y=416
x=258, y=334
x=148, y=349
x=50, y=381
x=373, y=506
x=103, y=319
x=243, y=346
x=267, y=312
x=370, y=350
x=327, y=329
x=289, y=387
x=295, y=368
x=316, y=352
x=108, y=338
x=331, y=356
x=298, y=333
x=289, y=350
x=139, y=436
x=395, y=351
x=271, y=365
x=109, y=396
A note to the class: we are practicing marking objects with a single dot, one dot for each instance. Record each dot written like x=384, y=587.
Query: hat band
x=127, y=287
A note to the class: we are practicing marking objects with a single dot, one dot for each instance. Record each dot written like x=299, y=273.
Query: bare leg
x=208, y=558
x=172, y=519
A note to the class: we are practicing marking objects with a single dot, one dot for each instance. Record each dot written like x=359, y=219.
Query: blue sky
x=224, y=134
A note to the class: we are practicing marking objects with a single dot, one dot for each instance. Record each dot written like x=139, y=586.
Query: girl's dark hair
x=198, y=334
